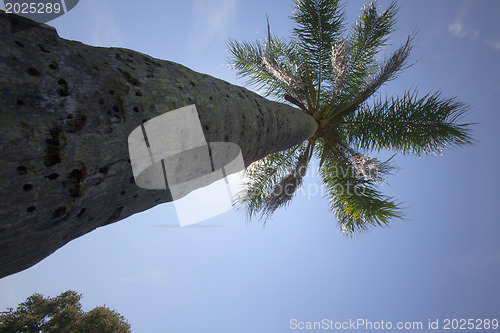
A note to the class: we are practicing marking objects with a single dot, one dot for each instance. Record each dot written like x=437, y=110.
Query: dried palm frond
x=388, y=71
x=372, y=168
x=290, y=78
x=280, y=73
x=284, y=190
x=339, y=56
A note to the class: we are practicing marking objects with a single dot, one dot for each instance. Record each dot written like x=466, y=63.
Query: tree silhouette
x=61, y=314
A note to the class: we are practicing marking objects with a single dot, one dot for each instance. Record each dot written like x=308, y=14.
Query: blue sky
x=227, y=275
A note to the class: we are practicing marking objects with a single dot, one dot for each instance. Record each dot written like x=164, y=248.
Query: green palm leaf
x=319, y=24
x=246, y=59
x=355, y=200
x=366, y=38
x=409, y=125
x=388, y=71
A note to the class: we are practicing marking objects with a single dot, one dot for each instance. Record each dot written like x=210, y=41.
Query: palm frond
x=332, y=147
x=372, y=168
x=286, y=71
x=372, y=29
x=339, y=58
x=263, y=176
x=355, y=200
x=319, y=24
x=367, y=36
x=286, y=188
x=409, y=125
x=272, y=70
x=388, y=71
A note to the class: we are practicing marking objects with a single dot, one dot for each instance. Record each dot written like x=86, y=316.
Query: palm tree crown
x=330, y=71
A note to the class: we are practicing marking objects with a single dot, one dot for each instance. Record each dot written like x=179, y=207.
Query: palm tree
x=330, y=71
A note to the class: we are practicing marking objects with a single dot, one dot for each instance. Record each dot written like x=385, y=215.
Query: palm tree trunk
x=66, y=110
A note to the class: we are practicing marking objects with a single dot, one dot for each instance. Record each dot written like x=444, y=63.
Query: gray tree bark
x=66, y=110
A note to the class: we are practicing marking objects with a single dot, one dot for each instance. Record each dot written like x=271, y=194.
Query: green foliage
x=319, y=24
x=331, y=72
x=408, y=124
x=102, y=319
x=60, y=314
x=355, y=199
x=249, y=62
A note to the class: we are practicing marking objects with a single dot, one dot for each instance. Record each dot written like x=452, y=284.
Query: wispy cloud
x=458, y=28
x=494, y=43
x=211, y=19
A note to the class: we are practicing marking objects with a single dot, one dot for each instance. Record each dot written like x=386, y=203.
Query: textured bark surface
x=66, y=110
